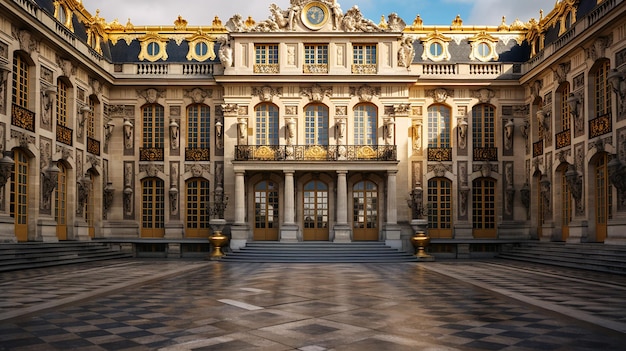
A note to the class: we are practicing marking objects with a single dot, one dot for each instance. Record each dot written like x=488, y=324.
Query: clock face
x=315, y=15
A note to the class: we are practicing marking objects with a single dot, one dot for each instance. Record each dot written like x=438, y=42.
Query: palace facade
x=315, y=124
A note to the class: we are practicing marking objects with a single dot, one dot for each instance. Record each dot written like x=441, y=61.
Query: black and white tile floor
x=192, y=305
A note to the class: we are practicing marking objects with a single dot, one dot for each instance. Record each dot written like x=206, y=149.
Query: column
x=392, y=230
x=392, y=209
x=239, y=229
x=289, y=228
x=240, y=198
x=342, y=229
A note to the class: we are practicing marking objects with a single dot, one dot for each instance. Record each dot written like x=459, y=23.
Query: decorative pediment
x=151, y=95
x=266, y=93
x=198, y=95
x=365, y=93
x=316, y=93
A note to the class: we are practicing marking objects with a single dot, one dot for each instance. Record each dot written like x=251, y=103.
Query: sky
x=432, y=12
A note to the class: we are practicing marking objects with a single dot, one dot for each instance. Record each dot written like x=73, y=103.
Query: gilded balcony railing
x=64, y=135
x=485, y=153
x=93, y=146
x=22, y=118
x=439, y=154
x=563, y=139
x=538, y=148
x=600, y=125
x=315, y=153
x=151, y=154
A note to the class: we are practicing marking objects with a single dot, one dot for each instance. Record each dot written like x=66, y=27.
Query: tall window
x=152, y=208
x=60, y=203
x=484, y=208
x=20, y=81
x=438, y=126
x=316, y=54
x=316, y=125
x=563, y=108
x=566, y=206
x=198, y=126
x=198, y=216
x=440, y=211
x=61, y=103
x=90, y=209
x=266, y=54
x=364, y=54
x=19, y=195
x=153, y=126
x=483, y=126
x=266, y=125
x=365, y=124
x=90, y=119
x=601, y=89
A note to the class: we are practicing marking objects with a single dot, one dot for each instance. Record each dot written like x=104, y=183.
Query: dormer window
x=436, y=47
x=153, y=47
x=201, y=48
x=483, y=47
x=63, y=14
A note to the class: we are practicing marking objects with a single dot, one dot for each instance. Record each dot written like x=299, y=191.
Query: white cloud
x=490, y=12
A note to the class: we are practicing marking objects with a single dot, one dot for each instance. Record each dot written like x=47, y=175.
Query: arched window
x=198, y=126
x=266, y=125
x=483, y=126
x=365, y=124
x=316, y=125
x=601, y=89
x=153, y=126
x=20, y=81
x=438, y=126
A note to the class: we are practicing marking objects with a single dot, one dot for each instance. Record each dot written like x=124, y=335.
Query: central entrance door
x=365, y=211
x=153, y=208
x=266, y=211
x=315, y=211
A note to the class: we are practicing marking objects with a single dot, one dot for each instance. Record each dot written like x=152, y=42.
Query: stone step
x=38, y=255
x=308, y=252
x=590, y=256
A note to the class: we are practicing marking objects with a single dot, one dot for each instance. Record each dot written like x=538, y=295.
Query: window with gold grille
x=62, y=103
x=266, y=125
x=601, y=89
x=563, y=107
x=438, y=126
x=197, y=205
x=483, y=126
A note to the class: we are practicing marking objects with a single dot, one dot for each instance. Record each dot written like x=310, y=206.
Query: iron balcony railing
x=316, y=153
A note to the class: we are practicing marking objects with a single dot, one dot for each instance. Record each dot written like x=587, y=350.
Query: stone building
x=314, y=124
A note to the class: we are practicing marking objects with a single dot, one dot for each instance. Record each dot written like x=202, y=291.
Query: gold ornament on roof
x=180, y=23
x=457, y=23
x=417, y=23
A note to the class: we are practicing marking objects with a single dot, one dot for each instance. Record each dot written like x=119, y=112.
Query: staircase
x=318, y=252
x=590, y=256
x=37, y=255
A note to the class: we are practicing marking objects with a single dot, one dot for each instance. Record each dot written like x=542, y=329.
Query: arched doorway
x=315, y=211
x=60, y=202
x=365, y=211
x=440, y=211
x=266, y=211
x=19, y=195
x=484, y=208
x=152, y=208
x=197, y=205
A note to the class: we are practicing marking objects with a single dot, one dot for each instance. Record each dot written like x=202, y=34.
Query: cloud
x=490, y=12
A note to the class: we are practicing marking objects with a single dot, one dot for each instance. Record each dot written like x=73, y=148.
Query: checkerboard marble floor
x=173, y=305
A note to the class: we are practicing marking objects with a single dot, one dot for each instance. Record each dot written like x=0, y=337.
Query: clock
x=315, y=15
